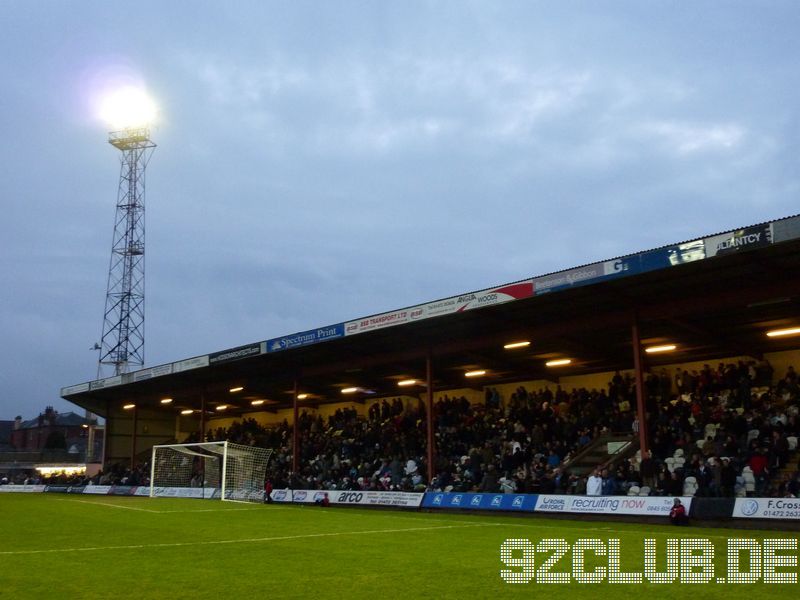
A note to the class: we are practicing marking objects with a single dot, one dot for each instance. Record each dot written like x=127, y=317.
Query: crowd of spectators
x=720, y=431
x=726, y=430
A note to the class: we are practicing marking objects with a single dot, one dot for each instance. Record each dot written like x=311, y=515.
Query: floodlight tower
x=122, y=341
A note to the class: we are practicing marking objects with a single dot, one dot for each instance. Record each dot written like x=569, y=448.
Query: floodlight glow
x=166, y=401
x=188, y=411
x=349, y=390
x=128, y=406
x=513, y=345
x=657, y=349
x=233, y=390
x=558, y=363
x=478, y=373
x=782, y=332
x=127, y=107
x=257, y=402
x=302, y=396
x=407, y=382
x=222, y=407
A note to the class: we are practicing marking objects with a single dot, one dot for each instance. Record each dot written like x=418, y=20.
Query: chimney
x=17, y=422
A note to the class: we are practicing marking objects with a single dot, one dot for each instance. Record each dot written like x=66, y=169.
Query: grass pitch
x=71, y=546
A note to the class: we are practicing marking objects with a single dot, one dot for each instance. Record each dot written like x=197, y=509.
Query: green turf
x=62, y=546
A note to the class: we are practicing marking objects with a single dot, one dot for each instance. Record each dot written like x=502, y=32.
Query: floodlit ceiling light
x=85, y=426
x=349, y=390
x=302, y=396
x=166, y=401
x=407, y=382
x=513, y=345
x=127, y=107
x=257, y=402
x=233, y=390
x=558, y=363
x=188, y=411
x=782, y=332
x=129, y=406
x=222, y=407
x=478, y=373
x=657, y=349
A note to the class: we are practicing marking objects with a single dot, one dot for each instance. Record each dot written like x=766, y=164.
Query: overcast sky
x=321, y=161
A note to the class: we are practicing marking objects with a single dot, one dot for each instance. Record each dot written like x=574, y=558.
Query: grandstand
x=518, y=388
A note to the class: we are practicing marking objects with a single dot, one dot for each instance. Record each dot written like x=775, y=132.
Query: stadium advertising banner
x=152, y=372
x=237, y=353
x=741, y=239
x=567, y=279
x=107, y=382
x=367, y=498
x=785, y=229
x=305, y=338
x=28, y=489
x=97, y=489
x=456, y=304
x=181, y=492
x=372, y=498
x=767, y=508
x=190, y=363
x=469, y=501
x=74, y=389
x=609, y=505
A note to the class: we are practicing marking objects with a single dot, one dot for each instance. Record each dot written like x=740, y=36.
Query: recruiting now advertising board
x=609, y=505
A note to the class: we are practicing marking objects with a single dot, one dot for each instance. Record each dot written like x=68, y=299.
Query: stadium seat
x=792, y=442
x=670, y=462
x=689, y=486
x=678, y=453
x=679, y=462
x=700, y=443
x=740, y=489
x=644, y=491
x=633, y=490
x=749, y=479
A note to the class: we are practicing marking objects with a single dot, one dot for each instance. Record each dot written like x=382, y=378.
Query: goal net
x=209, y=470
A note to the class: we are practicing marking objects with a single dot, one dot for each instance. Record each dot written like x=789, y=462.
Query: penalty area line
x=239, y=541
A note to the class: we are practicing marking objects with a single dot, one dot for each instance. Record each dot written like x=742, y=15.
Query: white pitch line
x=161, y=512
x=240, y=541
x=147, y=510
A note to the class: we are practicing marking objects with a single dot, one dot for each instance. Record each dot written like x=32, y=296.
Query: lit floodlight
x=560, y=362
x=127, y=108
x=513, y=345
x=782, y=332
x=657, y=349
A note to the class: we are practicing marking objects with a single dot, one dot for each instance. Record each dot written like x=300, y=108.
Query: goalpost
x=221, y=470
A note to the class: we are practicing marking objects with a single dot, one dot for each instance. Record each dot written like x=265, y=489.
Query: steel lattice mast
x=122, y=342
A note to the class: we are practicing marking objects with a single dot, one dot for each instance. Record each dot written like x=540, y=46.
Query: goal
x=219, y=470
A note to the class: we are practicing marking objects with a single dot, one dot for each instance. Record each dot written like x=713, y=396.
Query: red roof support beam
x=641, y=409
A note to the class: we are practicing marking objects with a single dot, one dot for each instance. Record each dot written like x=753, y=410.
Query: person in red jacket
x=677, y=515
x=268, y=491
